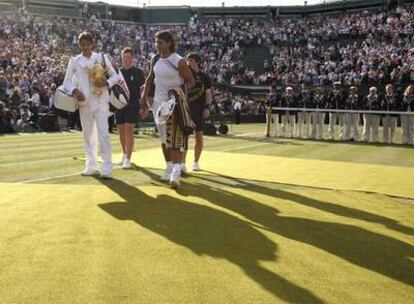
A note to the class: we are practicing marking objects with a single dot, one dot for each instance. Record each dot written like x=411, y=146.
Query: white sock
x=169, y=164
x=177, y=167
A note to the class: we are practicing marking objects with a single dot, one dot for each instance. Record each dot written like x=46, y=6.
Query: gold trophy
x=98, y=77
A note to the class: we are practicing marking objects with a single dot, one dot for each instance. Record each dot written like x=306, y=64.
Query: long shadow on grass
x=334, y=208
x=370, y=250
x=206, y=231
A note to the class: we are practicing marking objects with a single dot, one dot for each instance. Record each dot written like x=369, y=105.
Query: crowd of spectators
x=370, y=48
x=226, y=102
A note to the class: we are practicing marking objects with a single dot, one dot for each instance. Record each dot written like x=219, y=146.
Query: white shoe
x=167, y=174
x=183, y=168
x=89, y=172
x=126, y=164
x=106, y=176
x=121, y=163
x=196, y=166
x=175, y=179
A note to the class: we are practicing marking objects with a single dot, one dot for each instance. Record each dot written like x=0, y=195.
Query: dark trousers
x=237, y=117
x=74, y=120
x=111, y=123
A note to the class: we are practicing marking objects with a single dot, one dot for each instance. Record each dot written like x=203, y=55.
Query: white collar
x=85, y=62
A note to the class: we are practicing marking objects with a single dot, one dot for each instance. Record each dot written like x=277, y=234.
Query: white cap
x=289, y=89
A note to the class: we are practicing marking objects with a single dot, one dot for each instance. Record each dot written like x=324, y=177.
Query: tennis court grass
x=267, y=221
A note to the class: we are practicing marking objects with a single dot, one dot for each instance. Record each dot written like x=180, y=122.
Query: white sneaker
x=196, y=166
x=183, y=168
x=126, y=164
x=167, y=174
x=89, y=172
x=121, y=163
x=106, y=176
x=175, y=179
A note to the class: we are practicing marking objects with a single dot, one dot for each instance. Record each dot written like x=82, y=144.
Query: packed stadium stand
x=245, y=49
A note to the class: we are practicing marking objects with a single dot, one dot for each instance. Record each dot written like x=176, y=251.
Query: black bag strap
x=172, y=65
x=103, y=60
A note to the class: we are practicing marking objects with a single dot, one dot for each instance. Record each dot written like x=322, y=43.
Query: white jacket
x=77, y=78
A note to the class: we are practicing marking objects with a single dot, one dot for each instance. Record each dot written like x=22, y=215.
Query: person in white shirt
x=93, y=100
x=35, y=99
x=168, y=72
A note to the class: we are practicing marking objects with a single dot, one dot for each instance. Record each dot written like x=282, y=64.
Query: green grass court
x=267, y=221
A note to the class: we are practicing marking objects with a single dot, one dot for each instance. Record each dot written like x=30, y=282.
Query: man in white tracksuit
x=93, y=103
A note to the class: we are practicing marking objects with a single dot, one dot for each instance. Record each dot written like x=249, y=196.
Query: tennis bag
x=119, y=94
x=182, y=111
x=65, y=101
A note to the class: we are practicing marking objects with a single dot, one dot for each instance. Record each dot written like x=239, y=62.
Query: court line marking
x=29, y=181
x=47, y=178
